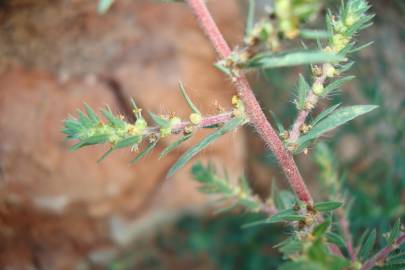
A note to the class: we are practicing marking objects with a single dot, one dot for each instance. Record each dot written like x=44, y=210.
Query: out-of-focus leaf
x=313, y=34
x=336, y=84
x=104, y=6
x=327, y=206
x=396, y=230
x=144, y=152
x=302, y=92
x=191, y=152
x=293, y=58
x=368, y=244
x=173, y=146
x=160, y=121
x=335, y=239
x=250, y=17
x=187, y=98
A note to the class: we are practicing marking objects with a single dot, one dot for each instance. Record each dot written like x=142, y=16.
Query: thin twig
x=383, y=254
x=311, y=100
x=253, y=109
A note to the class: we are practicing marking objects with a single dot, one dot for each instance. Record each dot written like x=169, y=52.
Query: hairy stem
x=311, y=100
x=253, y=109
x=207, y=121
x=383, y=254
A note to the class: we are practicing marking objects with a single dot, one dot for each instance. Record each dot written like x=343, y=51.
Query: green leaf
x=144, y=152
x=250, y=17
x=97, y=139
x=187, y=98
x=321, y=229
x=368, y=245
x=104, y=6
x=336, y=84
x=285, y=215
x=395, y=232
x=194, y=150
x=160, y=121
x=313, y=34
x=128, y=142
x=299, y=265
x=172, y=146
x=335, y=239
x=115, y=121
x=302, y=92
x=327, y=206
x=293, y=58
x=324, y=114
x=105, y=155
x=92, y=115
x=339, y=117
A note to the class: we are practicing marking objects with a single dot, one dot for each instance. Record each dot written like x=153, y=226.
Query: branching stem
x=311, y=100
x=382, y=254
x=253, y=109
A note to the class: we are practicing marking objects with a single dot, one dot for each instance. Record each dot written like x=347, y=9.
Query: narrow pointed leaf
x=187, y=98
x=105, y=155
x=336, y=84
x=396, y=230
x=172, y=146
x=313, y=34
x=115, y=121
x=160, y=121
x=335, y=239
x=302, y=92
x=191, y=152
x=91, y=114
x=368, y=245
x=337, y=118
x=144, y=152
x=293, y=58
x=250, y=17
x=128, y=142
x=327, y=206
x=324, y=114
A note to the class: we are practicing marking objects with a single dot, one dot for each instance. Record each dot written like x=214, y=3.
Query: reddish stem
x=383, y=254
x=253, y=109
x=208, y=121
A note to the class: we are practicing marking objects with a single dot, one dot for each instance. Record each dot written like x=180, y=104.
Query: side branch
x=252, y=106
x=383, y=254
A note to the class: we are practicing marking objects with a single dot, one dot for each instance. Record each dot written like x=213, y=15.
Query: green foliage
x=211, y=183
x=293, y=58
x=313, y=227
x=335, y=119
x=194, y=150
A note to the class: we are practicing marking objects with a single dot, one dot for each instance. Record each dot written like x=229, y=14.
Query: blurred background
x=62, y=210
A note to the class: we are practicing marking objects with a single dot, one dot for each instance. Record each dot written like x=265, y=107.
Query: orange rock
x=57, y=207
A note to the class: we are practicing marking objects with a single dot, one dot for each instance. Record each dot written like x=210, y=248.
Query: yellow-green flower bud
x=330, y=71
x=195, y=118
x=174, y=121
x=317, y=88
x=140, y=123
x=350, y=20
x=339, y=42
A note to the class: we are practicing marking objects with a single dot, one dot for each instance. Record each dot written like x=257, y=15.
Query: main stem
x=252, y=106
